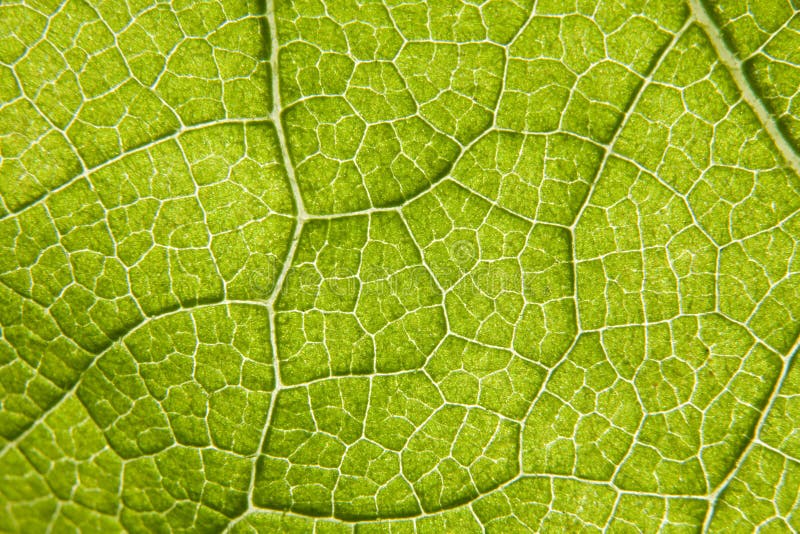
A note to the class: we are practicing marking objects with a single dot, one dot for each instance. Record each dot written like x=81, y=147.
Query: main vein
x=734, y=66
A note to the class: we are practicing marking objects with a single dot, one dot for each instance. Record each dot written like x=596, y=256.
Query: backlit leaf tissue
x=399, y=266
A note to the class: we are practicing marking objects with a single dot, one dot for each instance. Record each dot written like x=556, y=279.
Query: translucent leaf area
x=399, y=266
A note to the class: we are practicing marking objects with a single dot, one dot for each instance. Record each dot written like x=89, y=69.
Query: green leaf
x=399, y=266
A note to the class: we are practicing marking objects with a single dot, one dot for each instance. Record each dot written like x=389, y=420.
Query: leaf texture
x=399, y=266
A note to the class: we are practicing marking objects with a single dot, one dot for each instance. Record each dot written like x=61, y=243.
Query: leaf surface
x=308, y=266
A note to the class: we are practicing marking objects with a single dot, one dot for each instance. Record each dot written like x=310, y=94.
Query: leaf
x=442, y=266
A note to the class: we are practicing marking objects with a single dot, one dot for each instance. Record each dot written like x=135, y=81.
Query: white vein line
x=734, y=66
x=609, y=147
x=86, y=172
x=71, y=390
x=754, y=440
x=275, y=116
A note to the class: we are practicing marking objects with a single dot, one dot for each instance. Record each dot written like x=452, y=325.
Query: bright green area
x=501, y=266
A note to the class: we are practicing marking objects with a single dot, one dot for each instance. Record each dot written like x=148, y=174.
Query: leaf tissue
x=399, y=266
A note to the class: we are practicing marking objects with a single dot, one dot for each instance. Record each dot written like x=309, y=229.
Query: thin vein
x=754, y=440
x=71, y=390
